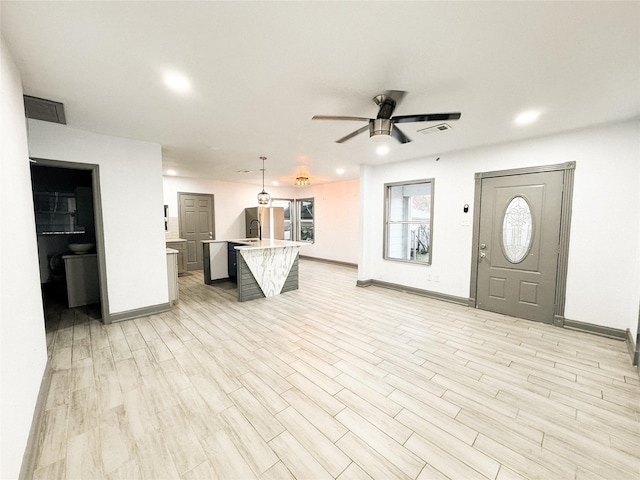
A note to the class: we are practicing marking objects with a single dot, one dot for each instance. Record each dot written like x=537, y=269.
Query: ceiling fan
x=383, y=125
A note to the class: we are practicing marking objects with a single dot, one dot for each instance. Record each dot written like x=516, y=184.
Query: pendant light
x=263, y=197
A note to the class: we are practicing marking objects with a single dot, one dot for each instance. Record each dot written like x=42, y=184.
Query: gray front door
x=519, y=244
x=196, y=224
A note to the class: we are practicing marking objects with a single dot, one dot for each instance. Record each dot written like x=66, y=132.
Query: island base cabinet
x=249, y=288
x=232, y=260
x=218, y=259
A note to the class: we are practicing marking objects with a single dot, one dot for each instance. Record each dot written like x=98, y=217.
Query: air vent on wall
x=46, y=110
x=436, y=128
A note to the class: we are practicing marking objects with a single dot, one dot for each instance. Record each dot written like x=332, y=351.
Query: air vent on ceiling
x=46, y=110
x=436, y=128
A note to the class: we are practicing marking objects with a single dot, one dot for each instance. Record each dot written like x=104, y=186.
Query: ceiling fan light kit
x=380, y=129
x=384, y=125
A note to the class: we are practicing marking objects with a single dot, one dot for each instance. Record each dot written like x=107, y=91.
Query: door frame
x=213, y=215
x=97, y=220
x=568, y=168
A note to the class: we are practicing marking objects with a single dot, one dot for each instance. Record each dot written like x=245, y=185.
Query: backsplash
x=173, y=228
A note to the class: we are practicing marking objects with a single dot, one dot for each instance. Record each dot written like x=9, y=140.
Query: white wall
x=131, y=193
x=336, y=211
x=23, y=351
x=229, y=199
x=336, y=207
x=603, y=284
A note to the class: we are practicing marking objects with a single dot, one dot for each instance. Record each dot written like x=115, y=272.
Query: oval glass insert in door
x=517, y=230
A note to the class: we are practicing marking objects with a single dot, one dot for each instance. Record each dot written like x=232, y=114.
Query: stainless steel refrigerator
x=265, y=221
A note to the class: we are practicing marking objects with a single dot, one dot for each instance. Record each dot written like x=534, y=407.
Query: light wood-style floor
x=334, y=381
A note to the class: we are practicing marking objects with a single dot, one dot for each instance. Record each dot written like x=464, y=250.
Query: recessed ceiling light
x=340, y=171
x=177, y=83
x=275, y=183
x=171, y=172
x=527, y=117
x=382, y=149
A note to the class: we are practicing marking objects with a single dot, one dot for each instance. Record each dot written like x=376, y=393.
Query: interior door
x=519, y=244
x=196, y=224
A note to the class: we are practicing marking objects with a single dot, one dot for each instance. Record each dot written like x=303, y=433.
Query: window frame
x=298, y=203
x=295, y=217
x=387, y=222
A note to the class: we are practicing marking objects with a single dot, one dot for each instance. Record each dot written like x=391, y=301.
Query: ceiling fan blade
x=339, y=117
x=353, y=134
x=426, y=117
x=399, y=135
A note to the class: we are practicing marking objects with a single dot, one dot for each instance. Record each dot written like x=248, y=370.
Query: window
x=305, y=220
x=408, y=221
x=298, y=218
x=517, y=229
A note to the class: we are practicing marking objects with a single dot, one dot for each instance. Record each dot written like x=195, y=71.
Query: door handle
x=211, y=235
x=483, y=246
x=483, y=255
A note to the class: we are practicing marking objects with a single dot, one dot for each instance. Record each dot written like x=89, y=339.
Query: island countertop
x=256, y=244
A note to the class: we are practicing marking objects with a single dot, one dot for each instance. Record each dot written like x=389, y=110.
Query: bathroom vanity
x=83, y=286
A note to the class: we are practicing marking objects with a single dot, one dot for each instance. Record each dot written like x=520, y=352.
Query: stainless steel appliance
x=264, y=222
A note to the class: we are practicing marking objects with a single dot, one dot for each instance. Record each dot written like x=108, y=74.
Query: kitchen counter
x=264, y=268
x=255, y=244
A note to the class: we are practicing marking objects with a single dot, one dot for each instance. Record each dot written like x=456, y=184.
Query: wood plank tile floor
x=334, y=381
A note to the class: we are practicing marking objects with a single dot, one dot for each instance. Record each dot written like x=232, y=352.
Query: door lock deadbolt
x=483, y=246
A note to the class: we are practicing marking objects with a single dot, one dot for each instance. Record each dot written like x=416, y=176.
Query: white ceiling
x=260, y=70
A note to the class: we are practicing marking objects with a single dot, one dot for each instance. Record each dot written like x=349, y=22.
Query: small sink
x=81, y=248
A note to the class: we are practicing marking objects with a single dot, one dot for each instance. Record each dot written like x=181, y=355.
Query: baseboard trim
x=28, y=467
x=416, y=291
x=139, y=312
x=632, y=347
x=615, y=333
x=326, y=260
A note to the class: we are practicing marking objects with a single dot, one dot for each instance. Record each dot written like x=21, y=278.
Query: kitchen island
x=262, y=268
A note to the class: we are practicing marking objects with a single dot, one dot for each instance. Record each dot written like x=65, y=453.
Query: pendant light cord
x=263, y=197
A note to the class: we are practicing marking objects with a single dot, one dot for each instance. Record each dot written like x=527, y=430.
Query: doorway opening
x=69, y=238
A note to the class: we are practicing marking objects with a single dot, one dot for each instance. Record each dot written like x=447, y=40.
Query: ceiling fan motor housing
x=380, y=128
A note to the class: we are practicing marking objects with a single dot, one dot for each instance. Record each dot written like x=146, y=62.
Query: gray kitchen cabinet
x=180, y=245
